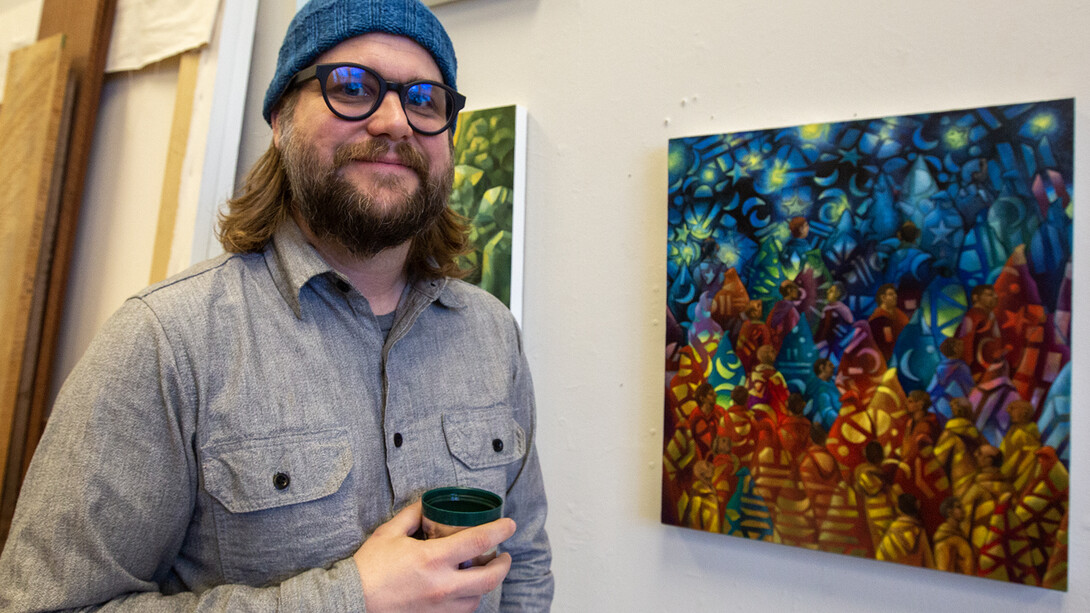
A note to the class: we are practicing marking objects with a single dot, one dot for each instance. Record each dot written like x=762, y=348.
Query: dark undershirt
x=385, y=322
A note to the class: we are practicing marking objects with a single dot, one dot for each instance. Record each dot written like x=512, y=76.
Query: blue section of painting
x=911, y=260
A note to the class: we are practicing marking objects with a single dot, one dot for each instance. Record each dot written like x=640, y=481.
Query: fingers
x=472, y=542
x=398, y=572
x=480, y=580
x=407, y=521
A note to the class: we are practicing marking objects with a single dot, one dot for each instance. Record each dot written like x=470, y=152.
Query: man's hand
x=400, y=573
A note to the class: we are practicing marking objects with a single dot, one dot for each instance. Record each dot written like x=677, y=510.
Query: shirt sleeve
x=110, y=493
x=529, y=584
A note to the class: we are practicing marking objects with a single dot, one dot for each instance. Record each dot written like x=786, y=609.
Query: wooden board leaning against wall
x=86, y=26
x=33, y=131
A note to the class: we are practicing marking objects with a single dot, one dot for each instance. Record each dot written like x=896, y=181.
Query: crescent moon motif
x=875, y=363
x=922, y=143
x=906, y=359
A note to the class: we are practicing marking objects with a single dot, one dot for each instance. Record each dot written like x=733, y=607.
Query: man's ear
x=275, y=121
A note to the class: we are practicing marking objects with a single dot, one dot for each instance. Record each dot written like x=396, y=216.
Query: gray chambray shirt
x=235, y=432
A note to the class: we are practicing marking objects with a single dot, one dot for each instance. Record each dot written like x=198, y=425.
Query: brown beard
x=335, y=210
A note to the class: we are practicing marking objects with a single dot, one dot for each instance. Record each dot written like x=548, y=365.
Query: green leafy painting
x=489, y=158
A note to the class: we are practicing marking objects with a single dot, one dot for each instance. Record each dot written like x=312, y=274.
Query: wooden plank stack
x=33, y=140
x=24, y=385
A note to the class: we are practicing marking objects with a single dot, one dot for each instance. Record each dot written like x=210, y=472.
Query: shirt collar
x=444, y=291
x=293, y=262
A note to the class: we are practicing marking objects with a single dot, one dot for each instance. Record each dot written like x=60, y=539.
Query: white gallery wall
x=606, y=84
x=18, y=28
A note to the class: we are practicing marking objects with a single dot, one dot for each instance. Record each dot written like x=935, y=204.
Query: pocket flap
x=484, y=438
x=253, y=475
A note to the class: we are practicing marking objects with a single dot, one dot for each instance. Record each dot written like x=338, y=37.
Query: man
x=767, y=388
x=952, y=550
x=993, y=391
x=956, y=445
x=753, y=335
x=709, y=269
x=739, y=426
x=730, y=302
x=873, y=484
x=983, y=495
x=795, y=250
x=919, y=472
x=699, y=504
x=1020, y=444
x=823, y=396
x=706, y=422
x=693, y=439
x=920, y=419
x=255, y=433
x=905, y=542
x=887, y=320
x=952, y=379
x=978, y=326
x=835, y=329
x=909, y=267
x=840, y=526
x=785, y=313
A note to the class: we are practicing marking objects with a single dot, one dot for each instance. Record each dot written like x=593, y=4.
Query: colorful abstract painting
x=489, y=190
x=868, y=338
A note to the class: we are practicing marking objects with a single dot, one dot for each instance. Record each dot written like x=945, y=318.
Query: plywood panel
x=87, y=25
x=31, y=121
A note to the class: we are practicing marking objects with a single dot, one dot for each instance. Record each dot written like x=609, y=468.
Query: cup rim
x=434, y=497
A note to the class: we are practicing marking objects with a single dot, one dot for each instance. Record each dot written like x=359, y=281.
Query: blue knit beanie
x=323, y=24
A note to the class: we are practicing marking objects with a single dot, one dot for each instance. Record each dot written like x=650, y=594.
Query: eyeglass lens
x=356, y=92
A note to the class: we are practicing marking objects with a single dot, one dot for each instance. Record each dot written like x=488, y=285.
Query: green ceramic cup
x=451, y=509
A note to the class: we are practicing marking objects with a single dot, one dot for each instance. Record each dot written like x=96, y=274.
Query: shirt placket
x=409, y=435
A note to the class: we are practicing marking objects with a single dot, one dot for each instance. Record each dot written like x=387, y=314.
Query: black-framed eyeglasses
x=354, y=92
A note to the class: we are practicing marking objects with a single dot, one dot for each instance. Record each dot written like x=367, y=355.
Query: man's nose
x=389, y=119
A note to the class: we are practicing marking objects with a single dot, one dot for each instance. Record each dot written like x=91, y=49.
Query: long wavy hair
x=264, y=202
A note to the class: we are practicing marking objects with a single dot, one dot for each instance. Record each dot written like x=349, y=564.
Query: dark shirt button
x=342, y=285
x=397, y=439
x=281, y=481
x=497, y=444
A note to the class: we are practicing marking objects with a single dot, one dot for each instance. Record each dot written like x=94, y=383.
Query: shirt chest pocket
x=486, y=446
x=280, y=504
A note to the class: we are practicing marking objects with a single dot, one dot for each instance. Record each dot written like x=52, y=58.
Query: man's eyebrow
x=423, y=78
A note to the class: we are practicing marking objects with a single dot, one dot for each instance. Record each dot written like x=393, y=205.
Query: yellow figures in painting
x=955, y=445
x=1020, y=444
x=906, y=541
x=699, y=505
x=952, y=550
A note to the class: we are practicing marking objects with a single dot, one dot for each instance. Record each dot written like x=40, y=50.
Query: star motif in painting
x=1015, y=320
x=794, y=205
x=850, y=156
x=736, y=173
x=941, y=233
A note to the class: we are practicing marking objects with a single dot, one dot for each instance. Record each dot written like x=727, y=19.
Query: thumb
x=406, y=522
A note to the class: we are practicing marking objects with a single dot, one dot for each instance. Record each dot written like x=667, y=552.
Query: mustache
x=374, y=150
